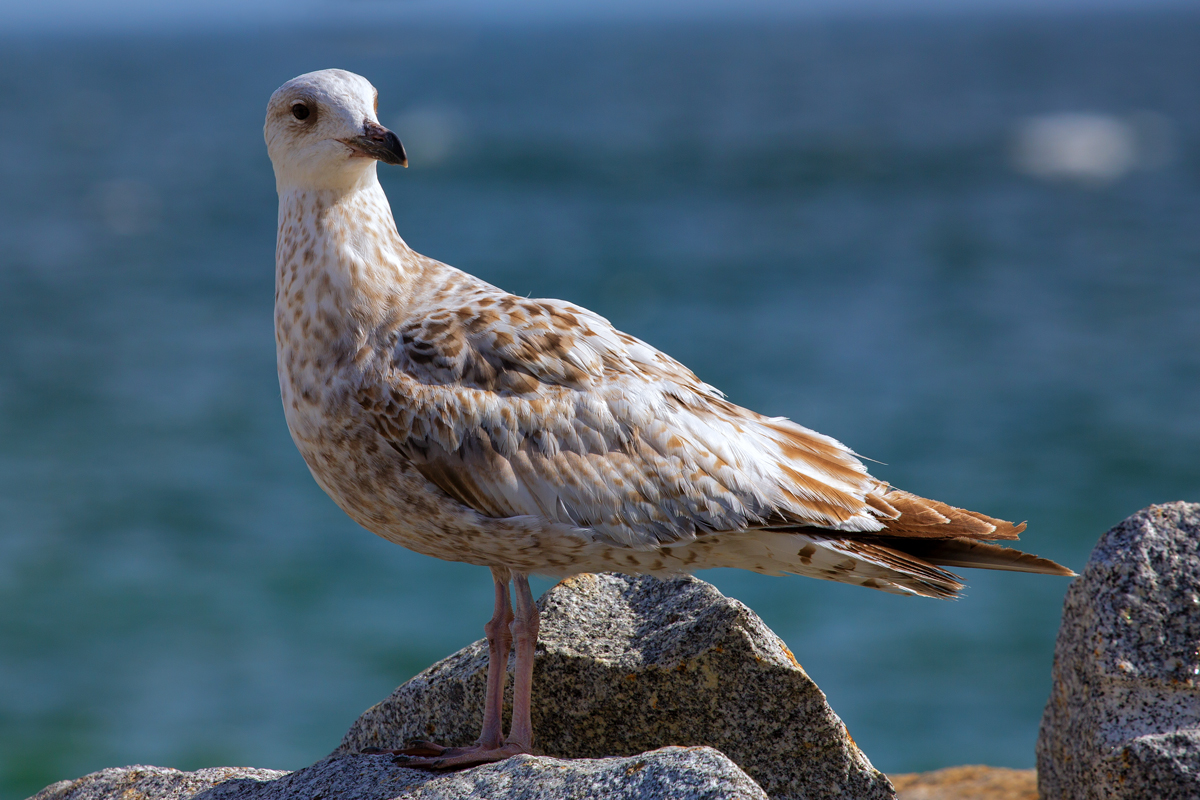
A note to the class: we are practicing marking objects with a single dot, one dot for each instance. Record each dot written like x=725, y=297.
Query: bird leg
x=525, y=631
x=499, y=637
x=501, y=630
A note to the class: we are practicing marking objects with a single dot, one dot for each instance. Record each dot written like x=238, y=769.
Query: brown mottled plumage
x=530, y=436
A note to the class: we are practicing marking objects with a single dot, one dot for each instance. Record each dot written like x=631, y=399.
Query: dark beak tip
x=397, y=147
x=379, y=143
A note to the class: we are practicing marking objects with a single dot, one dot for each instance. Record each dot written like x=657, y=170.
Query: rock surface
x=697, y=773
x=1123, y=719
x=625, y=665
x=967, y=783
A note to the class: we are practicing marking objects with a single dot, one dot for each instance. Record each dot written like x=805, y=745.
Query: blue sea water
x=824, y=219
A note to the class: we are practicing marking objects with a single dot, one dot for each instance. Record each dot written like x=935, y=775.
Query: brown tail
x=963, y=552
x=946, y=536
x=922, y=518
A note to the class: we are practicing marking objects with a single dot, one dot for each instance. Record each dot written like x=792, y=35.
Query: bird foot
x=427, y=755
x=416, y=747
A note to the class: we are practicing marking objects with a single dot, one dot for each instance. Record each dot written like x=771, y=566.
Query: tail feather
x=920, y=517
x=919, y=539
x=962, y=552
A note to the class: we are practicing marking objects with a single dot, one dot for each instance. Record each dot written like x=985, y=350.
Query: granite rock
x=625, y=665
x=672, y=773
x=1123, y=719
x=152, y=783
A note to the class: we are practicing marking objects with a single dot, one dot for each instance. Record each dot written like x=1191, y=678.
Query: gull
x=530, y=436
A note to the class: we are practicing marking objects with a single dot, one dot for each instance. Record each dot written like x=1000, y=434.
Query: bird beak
x=379, y=143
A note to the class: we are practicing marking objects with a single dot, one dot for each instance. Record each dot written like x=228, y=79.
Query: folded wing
x=514, y=406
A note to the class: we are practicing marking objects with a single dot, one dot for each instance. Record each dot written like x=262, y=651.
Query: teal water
x=822, y=219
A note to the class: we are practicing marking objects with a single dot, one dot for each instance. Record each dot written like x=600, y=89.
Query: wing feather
x=961, y=552
x=514, y=406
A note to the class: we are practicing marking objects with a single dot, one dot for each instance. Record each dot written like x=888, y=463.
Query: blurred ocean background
x=968, y=247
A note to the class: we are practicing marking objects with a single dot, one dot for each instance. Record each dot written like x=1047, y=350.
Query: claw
x=413, y=762
x=457, y=757
x=422, y=748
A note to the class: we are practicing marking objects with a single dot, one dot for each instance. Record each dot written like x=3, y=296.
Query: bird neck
x=341, y=273
x=340, y=241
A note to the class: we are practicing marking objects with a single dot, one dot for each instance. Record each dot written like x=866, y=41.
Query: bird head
x=322, y=131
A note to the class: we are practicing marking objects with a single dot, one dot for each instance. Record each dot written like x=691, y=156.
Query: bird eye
x=300, y=111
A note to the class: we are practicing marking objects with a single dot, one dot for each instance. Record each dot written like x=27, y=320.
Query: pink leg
x=525, y=631
x=499, y=636
x=501, y=630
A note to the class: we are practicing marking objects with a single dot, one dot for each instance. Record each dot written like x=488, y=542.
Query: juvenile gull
x=530, y=436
